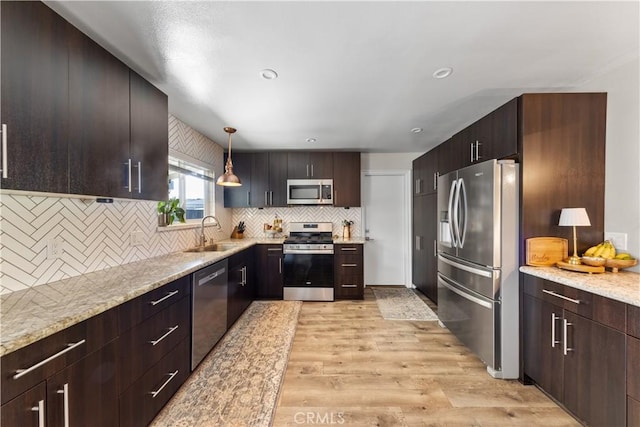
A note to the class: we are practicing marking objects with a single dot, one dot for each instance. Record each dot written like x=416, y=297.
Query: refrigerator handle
x=462, y=230
x=456, y=214
x=450, y=210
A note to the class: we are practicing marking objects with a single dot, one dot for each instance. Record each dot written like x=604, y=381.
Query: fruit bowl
x=615, y=264
x=593, y=261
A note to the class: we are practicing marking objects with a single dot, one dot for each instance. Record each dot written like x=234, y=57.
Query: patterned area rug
x=397, y=303
x=238, y=383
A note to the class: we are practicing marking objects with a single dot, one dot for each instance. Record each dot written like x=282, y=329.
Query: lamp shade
x=574, y=217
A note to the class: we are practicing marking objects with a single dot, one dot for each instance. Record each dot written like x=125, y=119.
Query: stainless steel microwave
x=310, y=191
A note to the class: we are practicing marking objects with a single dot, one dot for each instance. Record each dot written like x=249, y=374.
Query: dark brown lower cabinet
x=576, y=360
x=241, y=284
x=348, y=271
x=27, y=409
x=141, y=402
x=269, y=278
x=633, y=377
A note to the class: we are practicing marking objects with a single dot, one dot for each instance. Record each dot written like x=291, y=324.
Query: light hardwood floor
x=349, y=366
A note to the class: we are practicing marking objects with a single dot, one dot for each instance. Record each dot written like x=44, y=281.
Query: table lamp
x=574, y=217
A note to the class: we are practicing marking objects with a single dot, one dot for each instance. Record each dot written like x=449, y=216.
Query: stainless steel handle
x=478, y=144
x=575, y=301
x=22, y=372
x=5, y=173
x=274, y=249
x=349, y=265
x=244, y=275
x=129, y=186
x=311, y=170
x=348, y=286
x=472, y=152
x=418, y=248
x=464, y=295
x=335, y=197
x=462, y=229
x=435, y=248
x=65, y=399
x=450, y=212
x=417, y=187
x=565, y=326
x=307, y=170
x=211, y=276
x=270, y=198
x=248, y=198
x=167, y=296
x=435, y=180
x=348, y=249
x=170, y=331
x=553, y=330
x=266, y=198
x=40, y=410
x=483, y=273
x=164, y=384
x=139, y=177
x=280, y=265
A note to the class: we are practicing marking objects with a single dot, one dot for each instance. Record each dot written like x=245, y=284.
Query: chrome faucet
x=203, y=239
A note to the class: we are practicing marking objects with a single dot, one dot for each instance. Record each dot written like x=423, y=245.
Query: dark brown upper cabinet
x=149, y=143
x=269, y=178
x=98, y=119
x=310, y=164
x=346, y=179
x=240, y=197
x=35, y=96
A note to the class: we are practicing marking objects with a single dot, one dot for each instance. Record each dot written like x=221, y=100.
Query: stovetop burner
x=321, y=239
x=310, y=232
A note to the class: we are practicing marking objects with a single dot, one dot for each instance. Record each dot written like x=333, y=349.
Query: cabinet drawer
x=18, y=412
x=609, y=312
x=349, y=287
x=145, y=344
x=49, y=355
x=571, y=299
x=348, y=249
x=633, y=320
x=349, y=264
x=141, y=402
x=147, y=305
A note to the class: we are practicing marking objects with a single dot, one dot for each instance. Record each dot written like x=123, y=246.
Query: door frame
x=406, y=231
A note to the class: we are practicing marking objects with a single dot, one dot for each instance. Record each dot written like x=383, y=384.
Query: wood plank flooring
x=349, y=366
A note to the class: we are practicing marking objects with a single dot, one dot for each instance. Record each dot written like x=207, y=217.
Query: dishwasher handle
x=204, y=280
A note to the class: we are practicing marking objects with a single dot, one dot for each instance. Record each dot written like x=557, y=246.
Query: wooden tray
x=546, y=251
x=581, y=268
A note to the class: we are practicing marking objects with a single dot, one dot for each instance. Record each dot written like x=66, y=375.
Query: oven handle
x=308, y=252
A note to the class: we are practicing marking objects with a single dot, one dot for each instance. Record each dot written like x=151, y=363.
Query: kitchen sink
x=216, y=247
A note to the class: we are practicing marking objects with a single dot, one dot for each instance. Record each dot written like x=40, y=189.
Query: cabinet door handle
x=248, y=198
x=243, y=270
x=478, y=143
x=418, y=247
x=553, y=330
x=167, y=296
x=349, y=286
x=311, y=170
x=335, y=197
x=139, y=177
x=274, y=249
x=575, y=301
x=565, y=327
x=435, y=248
x=348, y=249
x=435, y=180
x=280, y=265
x=307, y=170
x=65, y=399
x=270, y=198
x=128, y=186
x=472, y=152
x=22, y=372
x=5, y=171
x=266, y=198
x=40, y=410
x=349, y=265
x=154, y=342
x=164, y=384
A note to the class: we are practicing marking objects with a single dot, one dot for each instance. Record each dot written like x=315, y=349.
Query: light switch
x=619, y=240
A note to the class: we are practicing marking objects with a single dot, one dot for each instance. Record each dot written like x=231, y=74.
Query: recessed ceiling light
x=311, y=140
x=268, y=74
x=416, y=130
x=442, y=73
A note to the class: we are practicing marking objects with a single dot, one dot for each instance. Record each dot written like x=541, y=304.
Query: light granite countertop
x=622, y=286
x=35, y=313
x=32, y=314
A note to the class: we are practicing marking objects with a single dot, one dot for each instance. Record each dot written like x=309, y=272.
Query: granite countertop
x=32, y=314
x=35, y=313
x=622, y=286
x=354, y=240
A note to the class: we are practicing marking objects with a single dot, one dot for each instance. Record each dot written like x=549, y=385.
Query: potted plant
x=169, y=211
x=346, y=229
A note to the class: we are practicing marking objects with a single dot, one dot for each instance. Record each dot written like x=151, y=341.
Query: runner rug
x=399, y=303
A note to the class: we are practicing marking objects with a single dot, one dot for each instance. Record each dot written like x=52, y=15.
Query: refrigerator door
x=475, y=277
x=478, y=213
x=472, y=318
x=447, y=239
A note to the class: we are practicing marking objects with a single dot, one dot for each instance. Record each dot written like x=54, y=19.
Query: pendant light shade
x=228, y=179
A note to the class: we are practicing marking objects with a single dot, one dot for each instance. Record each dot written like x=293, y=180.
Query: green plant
x=346, y=223
x=171, y=210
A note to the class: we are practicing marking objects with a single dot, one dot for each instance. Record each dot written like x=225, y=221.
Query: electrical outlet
x=137, y=238
x=619, y=240
x=55, y=248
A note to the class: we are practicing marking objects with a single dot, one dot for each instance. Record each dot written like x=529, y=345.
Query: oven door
x=308, y=277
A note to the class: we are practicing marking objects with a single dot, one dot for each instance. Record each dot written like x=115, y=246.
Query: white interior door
x=386, y=227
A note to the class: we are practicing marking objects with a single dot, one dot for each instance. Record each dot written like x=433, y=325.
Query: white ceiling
x=356, y=75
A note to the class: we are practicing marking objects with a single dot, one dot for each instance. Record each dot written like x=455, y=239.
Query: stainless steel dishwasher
x=209, y=321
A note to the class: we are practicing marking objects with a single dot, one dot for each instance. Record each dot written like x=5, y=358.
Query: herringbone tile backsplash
x=97, y=236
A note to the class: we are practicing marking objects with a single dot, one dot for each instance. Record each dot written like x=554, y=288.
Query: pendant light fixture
x=228, y=179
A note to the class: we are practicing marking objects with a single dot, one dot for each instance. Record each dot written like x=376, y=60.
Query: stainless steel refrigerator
x=478, y=261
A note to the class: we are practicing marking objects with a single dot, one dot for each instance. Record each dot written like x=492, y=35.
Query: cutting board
x=546, y=251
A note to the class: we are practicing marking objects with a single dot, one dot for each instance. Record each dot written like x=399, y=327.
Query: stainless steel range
x=308, y=262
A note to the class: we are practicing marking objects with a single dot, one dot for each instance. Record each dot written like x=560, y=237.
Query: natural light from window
x=193, y=185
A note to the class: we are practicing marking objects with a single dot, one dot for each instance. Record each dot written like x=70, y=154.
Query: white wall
x=385, y=161
x=622, y=183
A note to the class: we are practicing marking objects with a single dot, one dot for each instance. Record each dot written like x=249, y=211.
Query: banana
x=612, y=250
x=623, y=256
x=591, y=251
x=599, y=249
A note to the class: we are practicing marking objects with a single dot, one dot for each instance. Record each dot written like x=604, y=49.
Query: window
x=193, y=185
